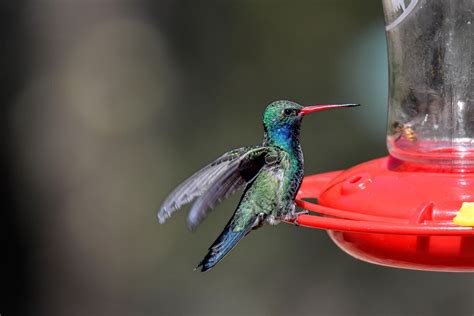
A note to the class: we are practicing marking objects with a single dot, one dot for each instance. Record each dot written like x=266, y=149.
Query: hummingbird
x=270, y=173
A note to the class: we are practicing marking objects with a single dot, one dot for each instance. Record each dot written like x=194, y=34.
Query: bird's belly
x=288, y=213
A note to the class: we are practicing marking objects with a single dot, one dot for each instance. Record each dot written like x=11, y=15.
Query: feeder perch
x=412, y=208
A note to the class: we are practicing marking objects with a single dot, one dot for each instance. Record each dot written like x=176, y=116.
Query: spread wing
x=214, y=183
x=262, y=197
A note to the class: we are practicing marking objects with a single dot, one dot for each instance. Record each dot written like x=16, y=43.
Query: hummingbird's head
x=282, y=114
x=282, y=119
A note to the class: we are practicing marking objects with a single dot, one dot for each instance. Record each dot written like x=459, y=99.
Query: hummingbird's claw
x=303, y=212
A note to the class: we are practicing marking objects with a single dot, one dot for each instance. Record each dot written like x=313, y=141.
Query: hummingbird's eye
x=288, y=111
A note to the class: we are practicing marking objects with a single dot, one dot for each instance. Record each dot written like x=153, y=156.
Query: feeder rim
x=339, y=220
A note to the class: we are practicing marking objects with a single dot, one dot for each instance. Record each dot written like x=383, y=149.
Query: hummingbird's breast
x=286, y=138
x=296, y=174
x=293, y=177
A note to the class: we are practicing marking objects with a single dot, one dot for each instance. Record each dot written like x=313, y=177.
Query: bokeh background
x=108, y=105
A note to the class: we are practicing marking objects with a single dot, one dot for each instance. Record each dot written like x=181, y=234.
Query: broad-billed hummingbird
x=271, y=174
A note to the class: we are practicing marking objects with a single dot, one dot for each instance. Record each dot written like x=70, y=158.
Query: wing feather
x=231, y=181
x=213, y=183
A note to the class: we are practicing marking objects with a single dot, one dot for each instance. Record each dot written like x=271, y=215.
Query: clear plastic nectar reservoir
x=431, y=101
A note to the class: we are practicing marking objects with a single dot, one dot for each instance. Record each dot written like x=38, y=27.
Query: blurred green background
x=108, y=105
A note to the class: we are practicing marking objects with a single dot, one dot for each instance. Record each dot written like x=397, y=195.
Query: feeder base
x=394, y=214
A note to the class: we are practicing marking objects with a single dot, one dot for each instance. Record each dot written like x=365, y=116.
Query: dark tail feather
x=226, y=241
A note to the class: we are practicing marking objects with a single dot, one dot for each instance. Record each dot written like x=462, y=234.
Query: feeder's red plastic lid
x=393, y=214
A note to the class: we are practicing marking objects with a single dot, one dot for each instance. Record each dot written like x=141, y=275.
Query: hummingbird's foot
x=303, y=212
x=296, y=214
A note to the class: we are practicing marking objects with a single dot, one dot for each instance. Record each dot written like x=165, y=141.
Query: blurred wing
x=214, y=182
x=246, y=168
x=262, y=196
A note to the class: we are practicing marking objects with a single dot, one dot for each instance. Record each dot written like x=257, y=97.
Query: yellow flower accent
x=465, y=216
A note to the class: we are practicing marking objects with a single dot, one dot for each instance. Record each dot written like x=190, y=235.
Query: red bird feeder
x=411, y=209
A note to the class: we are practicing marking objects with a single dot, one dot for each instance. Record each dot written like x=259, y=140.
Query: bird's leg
x=296, y=214
x=292, y=216
x=303, y=212
x=259, y=221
